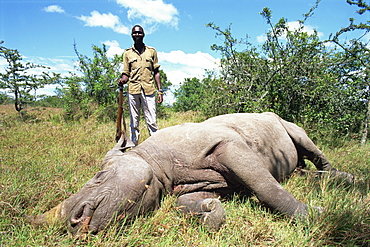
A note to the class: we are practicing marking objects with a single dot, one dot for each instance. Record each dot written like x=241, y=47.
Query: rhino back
x=187, y=152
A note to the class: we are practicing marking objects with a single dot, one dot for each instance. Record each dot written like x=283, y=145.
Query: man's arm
x=157, y=79
x=126, y=70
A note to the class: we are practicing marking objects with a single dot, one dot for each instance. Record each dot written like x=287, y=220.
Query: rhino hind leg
x=204, y=204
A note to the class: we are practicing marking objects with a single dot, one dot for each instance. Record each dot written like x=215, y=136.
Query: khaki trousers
x=147, y=102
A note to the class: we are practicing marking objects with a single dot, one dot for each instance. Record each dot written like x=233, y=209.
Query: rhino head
x=126, y=188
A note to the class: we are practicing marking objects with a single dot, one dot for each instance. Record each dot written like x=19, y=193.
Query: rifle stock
x=119, y=115
x=121, y=132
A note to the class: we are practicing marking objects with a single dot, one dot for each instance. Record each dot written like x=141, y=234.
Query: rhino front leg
x=205, y=205
x=251, y=170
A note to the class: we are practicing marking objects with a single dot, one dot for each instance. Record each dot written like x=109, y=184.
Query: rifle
x=126, y=142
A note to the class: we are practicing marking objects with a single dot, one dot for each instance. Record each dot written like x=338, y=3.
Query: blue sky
x=44, y=31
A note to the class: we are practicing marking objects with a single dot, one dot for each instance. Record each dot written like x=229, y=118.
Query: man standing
x=140, y=71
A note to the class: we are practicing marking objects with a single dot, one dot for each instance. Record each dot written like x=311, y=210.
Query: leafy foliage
x=4, y=98
x=189, y=95
x=92, y=90
x=322, y=85
x=166, y=84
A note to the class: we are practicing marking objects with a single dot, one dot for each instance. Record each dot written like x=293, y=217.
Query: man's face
x=137, y=34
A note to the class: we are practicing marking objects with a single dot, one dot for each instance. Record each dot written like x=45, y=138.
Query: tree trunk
x=17, y=101
x=366, y=124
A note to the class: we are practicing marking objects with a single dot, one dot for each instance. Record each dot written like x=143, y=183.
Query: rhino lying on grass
x=198, y=162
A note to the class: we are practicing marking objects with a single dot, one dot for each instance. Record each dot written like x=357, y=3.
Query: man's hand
x=122, y=80
x=160, y=98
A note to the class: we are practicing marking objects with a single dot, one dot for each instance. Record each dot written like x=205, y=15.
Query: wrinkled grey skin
x=198, y=162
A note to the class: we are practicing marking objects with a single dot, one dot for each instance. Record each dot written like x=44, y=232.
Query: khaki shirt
x=139, y=69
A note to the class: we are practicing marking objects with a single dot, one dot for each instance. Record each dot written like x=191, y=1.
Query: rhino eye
x=101, y=176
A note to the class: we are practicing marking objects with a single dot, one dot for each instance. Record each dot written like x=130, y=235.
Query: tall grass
x=43, y=161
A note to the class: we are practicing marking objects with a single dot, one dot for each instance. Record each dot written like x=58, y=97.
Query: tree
x=91, y=91
x=94, y=89
x=293, y=74
x=4, y=98
x=166, y=84
x=360, y=51
x=99, y=74
x=189, y=95
x=17, y=79
x=242, y=73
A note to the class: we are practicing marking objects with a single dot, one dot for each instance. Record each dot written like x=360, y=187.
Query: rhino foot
x=213, y=214
x=347, y=177
x=334, y=173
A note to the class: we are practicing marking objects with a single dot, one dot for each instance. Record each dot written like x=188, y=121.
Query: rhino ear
x=123, y=144
x=118, y=150
x=126, y=143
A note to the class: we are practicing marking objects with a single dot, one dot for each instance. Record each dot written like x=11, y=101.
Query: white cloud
x=111, y=43
x=179, y=65
x=261, y=38
x=151, y=11
x=113, y=48
x=366, y=39
x=295, y=25
x=58, y=65
x=198, y=59
x=3, y=64
x=292, y=26
x=54, y=8
x=104, y=20
x=48, y=90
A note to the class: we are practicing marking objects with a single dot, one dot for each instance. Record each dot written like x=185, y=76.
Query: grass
x=43, y=161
